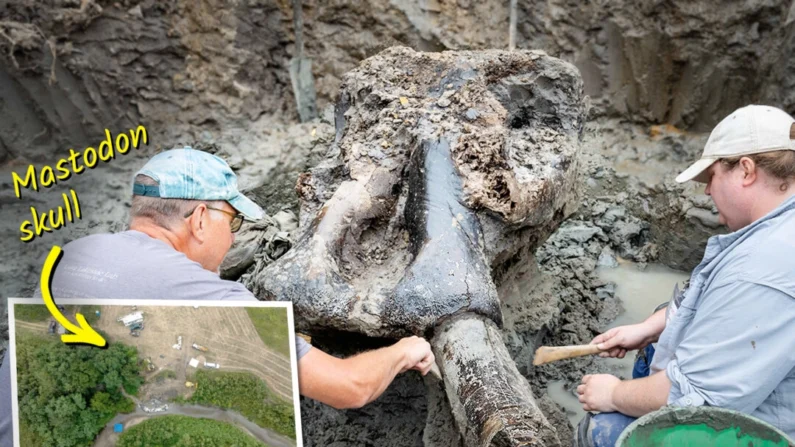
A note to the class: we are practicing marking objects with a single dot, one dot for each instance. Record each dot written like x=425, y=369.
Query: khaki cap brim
x=696, y=171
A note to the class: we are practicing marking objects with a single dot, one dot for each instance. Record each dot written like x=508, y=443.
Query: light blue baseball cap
x=188, y=173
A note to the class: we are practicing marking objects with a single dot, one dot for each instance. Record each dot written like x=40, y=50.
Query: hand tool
x=546, y=354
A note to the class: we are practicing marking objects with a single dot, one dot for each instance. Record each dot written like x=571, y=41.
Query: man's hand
x=596, y=392
x=356, y=381
x=417, y=353
x=617, y=341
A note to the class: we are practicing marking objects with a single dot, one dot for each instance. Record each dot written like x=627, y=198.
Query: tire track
x=240, y=321
x=273, y=356
x=276, y=382
x=243, y=358
x=252, y=336
x=219, y=314
x=247, y=359
x=285, y=394
x=228, y=325
x=238, y=326
x=33, y=326
x=276, y=359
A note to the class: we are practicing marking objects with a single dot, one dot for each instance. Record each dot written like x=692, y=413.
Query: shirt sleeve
x=736, y=350
x=238, y=291
x=301, y=347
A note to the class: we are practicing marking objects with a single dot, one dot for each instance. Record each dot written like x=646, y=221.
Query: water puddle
x=640, y=293
x=560, y=395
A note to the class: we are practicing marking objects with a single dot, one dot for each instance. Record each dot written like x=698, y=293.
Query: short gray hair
x=163, y=212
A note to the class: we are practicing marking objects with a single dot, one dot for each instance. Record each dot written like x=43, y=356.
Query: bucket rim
x=685, y=412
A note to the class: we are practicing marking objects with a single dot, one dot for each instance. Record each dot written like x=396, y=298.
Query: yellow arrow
x=83, y=333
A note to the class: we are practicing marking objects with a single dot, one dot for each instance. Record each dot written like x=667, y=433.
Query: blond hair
x=779, y=164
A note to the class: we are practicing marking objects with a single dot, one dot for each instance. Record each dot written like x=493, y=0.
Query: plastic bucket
x=701, y=426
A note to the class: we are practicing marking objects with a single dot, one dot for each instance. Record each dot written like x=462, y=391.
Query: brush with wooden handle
x=546, y=354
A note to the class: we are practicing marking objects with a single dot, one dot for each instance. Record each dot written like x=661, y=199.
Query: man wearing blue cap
x=185, y=210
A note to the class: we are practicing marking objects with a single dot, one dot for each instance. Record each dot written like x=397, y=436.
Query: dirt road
x=107, y=438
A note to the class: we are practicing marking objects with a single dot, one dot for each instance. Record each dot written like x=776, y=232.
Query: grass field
x=271, y=325
x=90, y=313
x=33, y=313
x=248, y=395
x=184, y=431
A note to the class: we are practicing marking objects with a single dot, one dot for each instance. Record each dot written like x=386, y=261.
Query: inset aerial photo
x=169, y=376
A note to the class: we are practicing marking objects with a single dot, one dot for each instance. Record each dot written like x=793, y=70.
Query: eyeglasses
x=234, y=225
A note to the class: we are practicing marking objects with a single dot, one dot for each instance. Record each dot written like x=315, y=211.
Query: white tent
x=132, y=318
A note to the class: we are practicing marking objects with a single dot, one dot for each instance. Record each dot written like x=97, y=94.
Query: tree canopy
x=68, y=393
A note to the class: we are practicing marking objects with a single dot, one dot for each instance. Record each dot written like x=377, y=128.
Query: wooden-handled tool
x=546, y=354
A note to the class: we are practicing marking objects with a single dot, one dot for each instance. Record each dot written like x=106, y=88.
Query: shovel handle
x=546, y=354
x=298, y=25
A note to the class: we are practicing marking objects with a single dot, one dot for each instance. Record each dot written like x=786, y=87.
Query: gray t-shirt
x=128, y=265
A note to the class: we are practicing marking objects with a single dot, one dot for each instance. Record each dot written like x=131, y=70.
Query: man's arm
x=606, y=393
x=656, y=324
x=617, y=341
x=641, y=396
x=733, y=356
x=359, y=380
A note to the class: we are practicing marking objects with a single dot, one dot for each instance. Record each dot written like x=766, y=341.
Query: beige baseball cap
x=749, y=130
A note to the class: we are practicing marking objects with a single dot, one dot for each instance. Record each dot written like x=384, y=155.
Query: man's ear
x=748, y=167
x=196, y=222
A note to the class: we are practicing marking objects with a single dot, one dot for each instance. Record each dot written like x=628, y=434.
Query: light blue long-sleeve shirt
x=730, y=342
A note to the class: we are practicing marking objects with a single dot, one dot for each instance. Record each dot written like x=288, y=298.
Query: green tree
x=68, y=393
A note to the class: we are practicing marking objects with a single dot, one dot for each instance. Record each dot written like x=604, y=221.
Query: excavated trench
x=213, y=73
